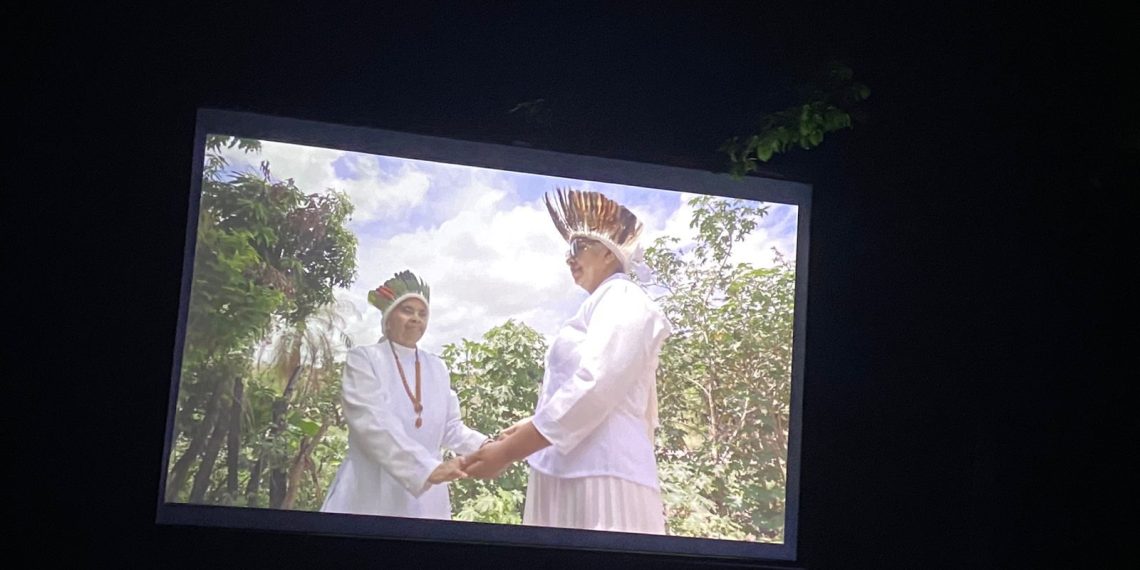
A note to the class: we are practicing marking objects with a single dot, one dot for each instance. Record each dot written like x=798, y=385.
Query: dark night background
x=958, y=386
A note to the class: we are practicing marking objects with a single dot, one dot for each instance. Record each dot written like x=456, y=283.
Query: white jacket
x=389, y=459
x=598, y=405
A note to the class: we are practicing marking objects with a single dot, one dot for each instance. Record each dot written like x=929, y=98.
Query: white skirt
x=593, y=503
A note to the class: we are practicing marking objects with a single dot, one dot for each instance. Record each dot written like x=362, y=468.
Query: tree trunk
x=278, y=479
x=233, y=444
x=714, y=432
x=254, y=486
x=316, y=479
x=296, y=470
x=192, y=404
x=181, y=470
x=210, y=457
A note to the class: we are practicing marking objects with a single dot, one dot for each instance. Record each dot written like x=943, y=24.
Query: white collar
x=614, y=277
x=400, y=349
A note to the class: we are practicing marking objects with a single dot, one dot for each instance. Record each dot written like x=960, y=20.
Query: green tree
x=497, y=380
x=305, y=370
x=829, y=104
x=724, y=378
x=267, y=256
x=724, y=386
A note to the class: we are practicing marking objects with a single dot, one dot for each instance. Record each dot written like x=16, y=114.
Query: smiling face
x=590, y=263
x=407, y=322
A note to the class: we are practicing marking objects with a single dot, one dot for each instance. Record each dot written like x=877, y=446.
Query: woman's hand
x=487, y=463
x=449, y=470
x=515, y=444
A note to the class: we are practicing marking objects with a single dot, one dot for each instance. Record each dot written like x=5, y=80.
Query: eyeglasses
x=577, y=247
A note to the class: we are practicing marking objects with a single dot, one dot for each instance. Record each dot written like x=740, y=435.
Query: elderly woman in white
x=590, y=441
x=401, y=411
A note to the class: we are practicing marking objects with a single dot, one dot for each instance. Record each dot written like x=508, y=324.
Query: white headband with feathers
x=592, y=215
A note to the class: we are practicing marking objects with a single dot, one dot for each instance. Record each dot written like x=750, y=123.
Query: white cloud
x=777, y=229
x=492, y=258
x=377, y=195
x=485, y=265
x=488, y=264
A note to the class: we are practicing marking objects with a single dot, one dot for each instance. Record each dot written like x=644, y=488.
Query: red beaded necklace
x=415, y=398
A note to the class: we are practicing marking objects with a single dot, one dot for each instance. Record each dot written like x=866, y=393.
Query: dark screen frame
x=516, y=159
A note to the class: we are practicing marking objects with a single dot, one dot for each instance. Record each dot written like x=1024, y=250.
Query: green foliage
x=302, y=246
x=692, y=513
x=827, y=109
x=266, y=262
x=724, y=379
x=724, y=386
x=497, y=380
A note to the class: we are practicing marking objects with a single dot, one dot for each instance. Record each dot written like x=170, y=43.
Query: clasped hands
x=488, y=462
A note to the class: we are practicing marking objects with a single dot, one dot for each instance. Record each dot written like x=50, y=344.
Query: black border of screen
x=515, y=159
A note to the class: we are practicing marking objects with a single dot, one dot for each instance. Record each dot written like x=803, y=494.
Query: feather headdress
x=592, y=215
x=403, y=286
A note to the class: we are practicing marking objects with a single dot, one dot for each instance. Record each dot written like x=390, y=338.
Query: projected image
x=377, y=335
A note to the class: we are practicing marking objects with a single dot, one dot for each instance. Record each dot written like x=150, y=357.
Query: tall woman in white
x=590, y=441
x=401, y=411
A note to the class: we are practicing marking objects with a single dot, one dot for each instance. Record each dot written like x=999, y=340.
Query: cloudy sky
x=481, y=238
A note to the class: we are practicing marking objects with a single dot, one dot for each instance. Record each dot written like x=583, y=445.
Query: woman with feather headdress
x=590, y=441
x=401, y=411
